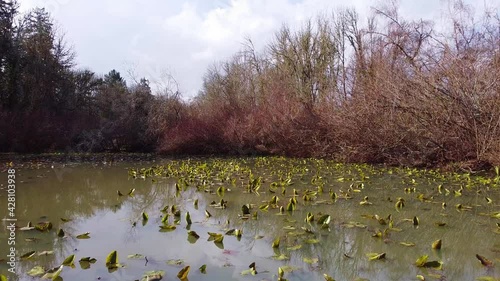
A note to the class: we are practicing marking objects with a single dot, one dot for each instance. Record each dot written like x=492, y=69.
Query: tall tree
x=8, y=52
x=46, y=63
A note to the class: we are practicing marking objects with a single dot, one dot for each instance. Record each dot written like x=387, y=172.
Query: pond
x=269, y=218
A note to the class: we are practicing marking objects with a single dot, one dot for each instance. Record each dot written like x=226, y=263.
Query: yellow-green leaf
x=183, y=273
x=437, y=244
x=328, y=277
x=112, y=259
x=276, y=242
x=375, y=256
x=85, y=235
x=28, y=255
x=69, y=261
x=35, y=271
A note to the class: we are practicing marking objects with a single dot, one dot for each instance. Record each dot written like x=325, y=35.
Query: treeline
x=389, y=91
x=47, y=104
x=382, y=90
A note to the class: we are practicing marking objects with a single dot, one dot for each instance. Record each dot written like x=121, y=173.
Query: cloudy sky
x=184, y=37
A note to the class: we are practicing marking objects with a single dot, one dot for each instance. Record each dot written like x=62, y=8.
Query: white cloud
x=185, y=37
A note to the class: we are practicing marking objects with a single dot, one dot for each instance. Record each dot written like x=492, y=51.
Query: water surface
x=87, y=194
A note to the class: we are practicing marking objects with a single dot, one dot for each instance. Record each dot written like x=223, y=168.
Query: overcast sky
x=184, y=37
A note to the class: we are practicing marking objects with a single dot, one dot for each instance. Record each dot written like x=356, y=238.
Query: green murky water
x=87, y=194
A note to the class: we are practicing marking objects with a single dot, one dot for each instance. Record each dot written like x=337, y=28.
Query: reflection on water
x=87, y=195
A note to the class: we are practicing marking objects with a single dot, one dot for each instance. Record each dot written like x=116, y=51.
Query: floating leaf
x=219, y=239
x=328, y=277
x=43, y=226
x=131, y=192
x=407, y=244
x=85, y=235
x=84, y=264
x=220, y=191
x=309, y=217
x=203, y=269
x=484, y=261
x=35, y=271
x=433, y=264
x=183, y=273
x=281, y=272
x=188, y=219
x=400, y=204
x=175, y=262
x=69, y=261
x=167, y=227
x=421, y=261
x=245, y=210
x=248, y=271
x=312, y=241
x=27, y=228
x=3, y=278
x=164, y=219
x=60, y=233
x=88, y=259
x=437, y=244
x=65, y=220
x=375, y=256
x=153, y=275
x=53, y=273
x=28, y=255
x=145, y=216
x=416, y=221
x=212, y=236
x=135, y=256
x=281, y=257
x=324, y=220
x=310, y=260
x=276, y=242
x=112, y=260
x=46, y=253
x=207, y=214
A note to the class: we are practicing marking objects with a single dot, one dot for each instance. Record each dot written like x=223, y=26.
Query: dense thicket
x=392, y=91
x=382, y=89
